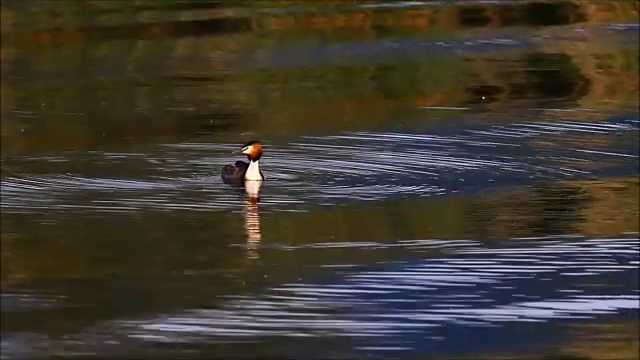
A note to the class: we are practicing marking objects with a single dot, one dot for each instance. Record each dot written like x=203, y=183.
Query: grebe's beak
x=240, y=151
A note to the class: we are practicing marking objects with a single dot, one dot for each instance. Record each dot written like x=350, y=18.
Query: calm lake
x=445, y=179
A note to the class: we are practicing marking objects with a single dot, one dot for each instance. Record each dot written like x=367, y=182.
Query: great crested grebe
x=241, y=172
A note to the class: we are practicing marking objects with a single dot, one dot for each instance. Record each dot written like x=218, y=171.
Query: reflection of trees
x=607, y=199
x=160, y=80
x=157, y=244
x=537, y=76
x=557, y=209
x=536, y=211
x=439, y=17
x=614, y=340
x=591, y=208
x=606, y=341
x=151, y=244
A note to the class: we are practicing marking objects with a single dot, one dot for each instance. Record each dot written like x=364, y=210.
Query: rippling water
x=522, y=290
x=444, y=180
x=328, y=169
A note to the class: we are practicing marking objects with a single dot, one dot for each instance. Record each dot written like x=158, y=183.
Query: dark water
x=444, y=180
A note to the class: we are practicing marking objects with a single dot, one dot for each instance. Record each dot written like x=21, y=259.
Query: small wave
x=424, y=295
x=370, y=294
x=329, y=169
x=470, y=288
x=25, y=301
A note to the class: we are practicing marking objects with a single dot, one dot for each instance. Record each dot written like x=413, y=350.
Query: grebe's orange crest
x=252, y=149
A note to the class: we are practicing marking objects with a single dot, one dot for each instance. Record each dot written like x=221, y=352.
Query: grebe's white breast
x=253, y=171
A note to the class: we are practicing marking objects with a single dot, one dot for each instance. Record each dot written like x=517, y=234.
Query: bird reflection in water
x=248, y=176
x=252, y=218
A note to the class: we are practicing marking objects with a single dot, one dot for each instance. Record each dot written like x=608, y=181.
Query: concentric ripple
x=343, y=167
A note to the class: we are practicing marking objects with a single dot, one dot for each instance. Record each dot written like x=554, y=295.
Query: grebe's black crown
x=249, y=143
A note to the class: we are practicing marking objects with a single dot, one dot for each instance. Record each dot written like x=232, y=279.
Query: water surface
x=452, y=180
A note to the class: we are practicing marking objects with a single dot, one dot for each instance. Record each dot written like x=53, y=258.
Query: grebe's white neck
x=253, y=172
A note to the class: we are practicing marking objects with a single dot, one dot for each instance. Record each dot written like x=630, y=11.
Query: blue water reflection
x=473, y=298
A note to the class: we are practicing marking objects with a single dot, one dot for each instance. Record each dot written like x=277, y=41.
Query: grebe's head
x=253, y=150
